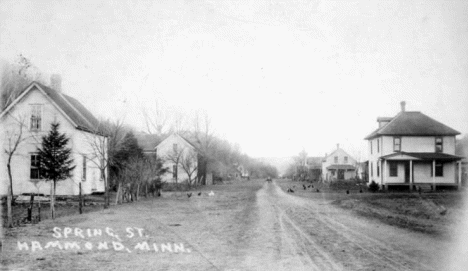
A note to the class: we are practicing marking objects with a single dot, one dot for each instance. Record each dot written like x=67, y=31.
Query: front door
x=341, y=174
x=407, y=171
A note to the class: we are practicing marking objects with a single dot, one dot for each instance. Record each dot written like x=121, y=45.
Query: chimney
x=56, y=82
x=403, y=105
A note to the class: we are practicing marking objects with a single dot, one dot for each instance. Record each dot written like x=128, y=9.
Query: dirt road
x=313, y=235
x=247, y=226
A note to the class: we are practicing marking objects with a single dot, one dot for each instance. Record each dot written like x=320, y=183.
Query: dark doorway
x=341, y=174
x=407, y=171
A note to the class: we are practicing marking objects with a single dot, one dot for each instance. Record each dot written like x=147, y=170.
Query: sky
x=275, y=77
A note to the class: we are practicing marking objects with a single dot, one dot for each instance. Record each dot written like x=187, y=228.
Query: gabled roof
x=147, y=142
x=179, y=135
x=338, y=149
x=78, y=115
x=411, y=123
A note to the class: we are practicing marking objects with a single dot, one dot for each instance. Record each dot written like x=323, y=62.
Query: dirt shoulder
x=177, y=233
x=431, y=213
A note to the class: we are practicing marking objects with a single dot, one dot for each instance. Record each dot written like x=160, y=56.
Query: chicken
x=189, y=194
x=305, y=187
x=211, y=193
x=199, y=193
x=347, y=191
x=317, y=190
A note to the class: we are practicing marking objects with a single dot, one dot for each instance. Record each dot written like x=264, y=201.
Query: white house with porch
x=338, y=165
x=414, y=150
x=29, y=118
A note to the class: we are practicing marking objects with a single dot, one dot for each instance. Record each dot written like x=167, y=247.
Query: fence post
x=30, y=208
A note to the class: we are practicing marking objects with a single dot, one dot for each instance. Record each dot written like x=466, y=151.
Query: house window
x=439, y=169
x=439, y=144
x=371, y=169
x=36, y=117
x=346, y=159
x=393, y=169
x=378, y=145
x=174, y=171
x=397, y=144
x=370, y=141
x=174, y=147
x=84, y=168
x=378, y=169
x=336, y=159
x=35, y=172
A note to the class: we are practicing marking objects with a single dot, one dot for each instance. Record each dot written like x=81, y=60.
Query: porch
x=420, y=170
x=341, y=172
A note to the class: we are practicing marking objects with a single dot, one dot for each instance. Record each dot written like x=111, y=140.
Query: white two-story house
x=338, y=165
x=29, y=118
x=180, y=157
x=412, y=149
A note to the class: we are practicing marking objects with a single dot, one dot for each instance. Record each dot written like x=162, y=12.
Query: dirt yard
x=244, y=226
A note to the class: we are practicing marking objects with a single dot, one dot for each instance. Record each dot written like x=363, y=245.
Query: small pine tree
x=56, y=161
x=373, y=186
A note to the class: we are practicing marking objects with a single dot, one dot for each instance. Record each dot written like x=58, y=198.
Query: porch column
x=459, y=175
x=385, y=176
x=411, y=181
x=433, y=175
x=381, y=171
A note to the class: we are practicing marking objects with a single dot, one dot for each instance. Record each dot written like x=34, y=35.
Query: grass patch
x=433, y=213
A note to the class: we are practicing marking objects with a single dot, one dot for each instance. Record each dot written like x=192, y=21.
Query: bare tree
x=176, y=158
x=189, y=164
x=15, y=78
x=14, y=137
x=301, y=165
x=103, y=145
x=204, y=137
x=155, y=119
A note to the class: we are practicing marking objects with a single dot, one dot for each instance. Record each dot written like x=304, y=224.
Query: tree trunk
x=146, y=190
x=10, y=215
x=52, y=199
x=117, y=197
x=80, y=204
x=137, y=194
x=11, y=179
x=106, y=189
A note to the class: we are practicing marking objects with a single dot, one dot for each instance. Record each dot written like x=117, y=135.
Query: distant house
x=180, y=158
x=32, y=112
x=314, y=167
x=338, y=165
x=241, y=171
x=413, y=149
